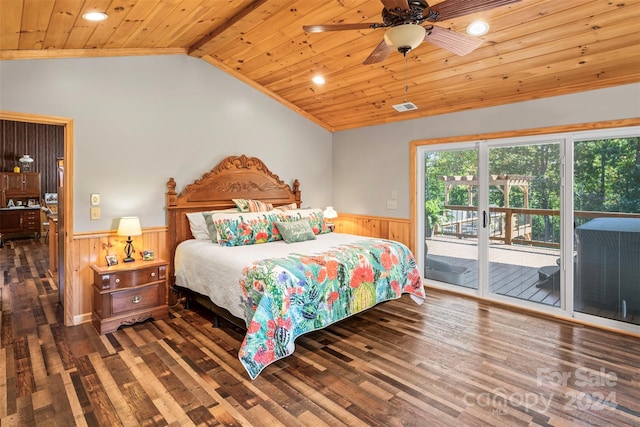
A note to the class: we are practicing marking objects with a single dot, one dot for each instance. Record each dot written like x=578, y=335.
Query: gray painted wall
x=370, y=163
x=140, y=120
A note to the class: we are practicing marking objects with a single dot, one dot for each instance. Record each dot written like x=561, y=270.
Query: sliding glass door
x=493, y=210
x=549, y=222
x=524, y=221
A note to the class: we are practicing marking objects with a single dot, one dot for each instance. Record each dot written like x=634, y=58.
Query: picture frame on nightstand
x=51, y=198
x=111, y=260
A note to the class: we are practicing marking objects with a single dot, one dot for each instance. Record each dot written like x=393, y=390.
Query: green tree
x=606, y=177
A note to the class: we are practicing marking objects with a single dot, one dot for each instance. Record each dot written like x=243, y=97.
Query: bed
x=275, y=269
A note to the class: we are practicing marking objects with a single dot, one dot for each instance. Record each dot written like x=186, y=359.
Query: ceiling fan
x=404, y=18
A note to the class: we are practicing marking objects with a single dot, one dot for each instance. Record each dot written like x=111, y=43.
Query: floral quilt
x=287, y=297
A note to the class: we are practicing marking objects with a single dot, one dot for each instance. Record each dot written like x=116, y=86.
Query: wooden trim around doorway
x=69, y=298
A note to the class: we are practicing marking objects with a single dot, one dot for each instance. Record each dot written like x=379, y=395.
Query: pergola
x=503, y=183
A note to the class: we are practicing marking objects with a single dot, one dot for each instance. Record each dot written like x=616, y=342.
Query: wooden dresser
x=128, y=293
x=18, y=189
x=19, y=221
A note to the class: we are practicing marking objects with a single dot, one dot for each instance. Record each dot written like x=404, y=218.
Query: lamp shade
x=403, y=36
x=26, y=159
x=330, y=213
x=129, y=226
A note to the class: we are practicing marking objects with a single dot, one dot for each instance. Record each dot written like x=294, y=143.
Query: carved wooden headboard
x=235, y=177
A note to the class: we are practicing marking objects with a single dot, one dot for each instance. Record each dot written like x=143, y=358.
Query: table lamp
x=329, y=214
x=26, y=162
x=129, y=226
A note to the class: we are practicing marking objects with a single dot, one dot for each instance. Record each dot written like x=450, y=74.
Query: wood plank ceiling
x=535, y=49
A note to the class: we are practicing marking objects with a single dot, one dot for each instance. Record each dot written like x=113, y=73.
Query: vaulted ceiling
x=534, y=49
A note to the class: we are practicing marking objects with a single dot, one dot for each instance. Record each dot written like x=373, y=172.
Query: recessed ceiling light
x=95, y=16
x=319, y=80
x=477, y=28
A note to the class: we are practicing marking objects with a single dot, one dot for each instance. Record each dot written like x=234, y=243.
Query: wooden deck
x=513, y=272
x=509, y=280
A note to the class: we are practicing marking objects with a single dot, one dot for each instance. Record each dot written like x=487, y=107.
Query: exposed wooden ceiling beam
x=199, y=48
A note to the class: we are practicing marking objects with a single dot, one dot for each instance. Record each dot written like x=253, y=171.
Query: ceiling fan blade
x=379, y=54
x=453, y=8
x=458, y=43
x=340, y=27
x=396, y=4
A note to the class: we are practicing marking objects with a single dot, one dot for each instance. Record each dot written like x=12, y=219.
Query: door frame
x=67, y=213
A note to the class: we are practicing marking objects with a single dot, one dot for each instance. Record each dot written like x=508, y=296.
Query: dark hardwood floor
x=451, y=361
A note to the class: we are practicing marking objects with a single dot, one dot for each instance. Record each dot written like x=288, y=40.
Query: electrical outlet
x=394, y=194
x=392, y=204
x=95, y=213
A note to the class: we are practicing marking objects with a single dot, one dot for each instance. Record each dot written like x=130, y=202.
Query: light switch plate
x=95, y=213
x=95, y=199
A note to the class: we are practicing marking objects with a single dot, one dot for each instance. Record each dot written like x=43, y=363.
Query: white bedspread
x=214, y=270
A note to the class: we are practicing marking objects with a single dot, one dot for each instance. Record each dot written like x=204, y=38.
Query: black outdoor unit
x=608, y=264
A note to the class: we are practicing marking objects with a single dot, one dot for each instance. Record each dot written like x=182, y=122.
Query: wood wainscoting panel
x=375, y=226
x=92, y=248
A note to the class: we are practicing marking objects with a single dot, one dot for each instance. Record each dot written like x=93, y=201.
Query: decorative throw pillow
x=212, y=233
x=246, y=228
x=288, y=207
x=198, y=224
x=200, y=229
x=295, y=231
x=251, y=205
x=313, y=215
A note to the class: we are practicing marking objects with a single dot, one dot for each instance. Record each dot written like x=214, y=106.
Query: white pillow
x=198, y=224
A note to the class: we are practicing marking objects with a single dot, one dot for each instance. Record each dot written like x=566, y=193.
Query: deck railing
x=515, y=225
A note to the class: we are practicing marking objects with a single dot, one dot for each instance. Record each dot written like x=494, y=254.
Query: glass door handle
x=484, y=219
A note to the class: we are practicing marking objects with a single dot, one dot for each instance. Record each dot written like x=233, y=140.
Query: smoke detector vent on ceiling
x=405, y=106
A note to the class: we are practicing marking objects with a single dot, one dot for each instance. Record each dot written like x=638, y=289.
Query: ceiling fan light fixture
x=478, y=28
x=404, y=37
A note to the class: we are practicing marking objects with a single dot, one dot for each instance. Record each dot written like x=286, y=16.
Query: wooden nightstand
x=128, y=293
